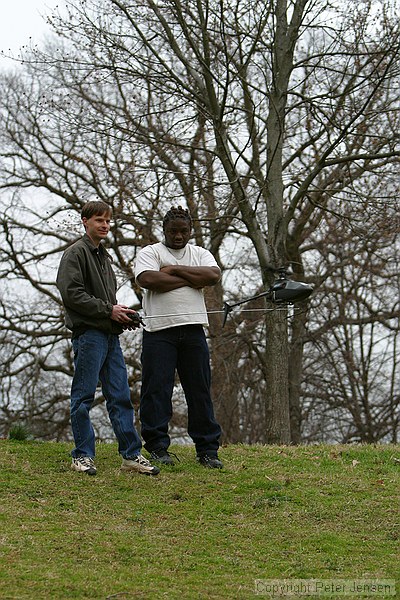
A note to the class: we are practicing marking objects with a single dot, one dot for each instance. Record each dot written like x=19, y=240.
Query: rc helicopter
x=282, y=291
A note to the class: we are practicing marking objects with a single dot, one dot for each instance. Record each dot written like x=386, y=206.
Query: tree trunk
x=224, y=385
x=295, y=374
x=277, y=403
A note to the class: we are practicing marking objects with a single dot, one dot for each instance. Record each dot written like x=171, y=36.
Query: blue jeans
x=183, y=349
x=98, y=357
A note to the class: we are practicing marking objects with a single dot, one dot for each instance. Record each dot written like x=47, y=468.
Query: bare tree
x=263, y=117
x=355, y=345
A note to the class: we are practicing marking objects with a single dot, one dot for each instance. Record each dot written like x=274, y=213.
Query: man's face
x=97, y=227
x=177, y=233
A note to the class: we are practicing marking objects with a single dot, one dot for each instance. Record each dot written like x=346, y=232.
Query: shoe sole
x=165, y=463
x=209, y=466
x=133, y=470
x=86, y=471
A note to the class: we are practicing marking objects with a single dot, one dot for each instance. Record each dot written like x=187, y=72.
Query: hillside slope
x=273, y=513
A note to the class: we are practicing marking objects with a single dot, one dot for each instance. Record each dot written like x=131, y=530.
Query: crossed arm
x=173, y=277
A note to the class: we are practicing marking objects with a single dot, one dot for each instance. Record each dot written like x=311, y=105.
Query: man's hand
x=127, y=317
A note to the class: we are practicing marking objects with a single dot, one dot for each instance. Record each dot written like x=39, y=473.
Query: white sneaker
x=84, y=464
x=140, y=464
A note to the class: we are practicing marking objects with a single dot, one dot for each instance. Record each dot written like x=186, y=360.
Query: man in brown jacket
x=87, y=285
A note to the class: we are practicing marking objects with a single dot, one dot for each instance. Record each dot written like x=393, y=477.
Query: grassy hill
x=282, y=513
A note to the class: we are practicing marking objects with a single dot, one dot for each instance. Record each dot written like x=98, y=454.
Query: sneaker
x=84, y=464
x=140, y=464
x=164, y=457
x=212, y=462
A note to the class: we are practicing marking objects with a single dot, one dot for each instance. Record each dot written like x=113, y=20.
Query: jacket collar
x=94, y=249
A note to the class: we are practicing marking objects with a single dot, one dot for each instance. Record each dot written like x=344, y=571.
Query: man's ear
x=84, y=221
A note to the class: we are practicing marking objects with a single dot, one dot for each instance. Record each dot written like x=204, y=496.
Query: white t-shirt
x=183, y=306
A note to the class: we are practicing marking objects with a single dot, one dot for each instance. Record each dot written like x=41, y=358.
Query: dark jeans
x=98, y=356
x=183, y=349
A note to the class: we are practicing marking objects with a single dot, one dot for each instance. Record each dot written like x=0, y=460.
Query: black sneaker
x=212, y=462
x=163, y=457
x=84, y=464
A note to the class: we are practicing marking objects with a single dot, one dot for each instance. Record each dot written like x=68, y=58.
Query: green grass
x=326, y=512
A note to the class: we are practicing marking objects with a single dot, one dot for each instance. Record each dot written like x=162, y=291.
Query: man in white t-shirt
x=173, y=275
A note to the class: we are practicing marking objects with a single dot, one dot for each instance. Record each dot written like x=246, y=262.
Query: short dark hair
x=177, y=212
x=95, y=207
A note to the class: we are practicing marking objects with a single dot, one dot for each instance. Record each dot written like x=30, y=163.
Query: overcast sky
x=21, y=20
